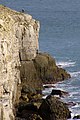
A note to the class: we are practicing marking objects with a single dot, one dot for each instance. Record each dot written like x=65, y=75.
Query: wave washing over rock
x=23, y=70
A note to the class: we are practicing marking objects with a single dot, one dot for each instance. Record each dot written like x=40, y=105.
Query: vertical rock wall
x=18, y=42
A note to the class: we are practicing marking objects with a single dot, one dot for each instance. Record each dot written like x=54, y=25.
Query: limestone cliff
x=18, y=42
x=22, y=68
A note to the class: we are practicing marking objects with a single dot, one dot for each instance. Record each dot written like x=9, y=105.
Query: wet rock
x=76, y=117
x=59, y=92
x=48, y=86
x=53, y=109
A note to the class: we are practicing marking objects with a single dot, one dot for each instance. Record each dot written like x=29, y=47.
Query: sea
x=60, y=37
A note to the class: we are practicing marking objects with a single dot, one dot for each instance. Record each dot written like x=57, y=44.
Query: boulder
x=59, y=92
x=49, y=86
x=27, y=112
x=29, y=94
x=54, y=109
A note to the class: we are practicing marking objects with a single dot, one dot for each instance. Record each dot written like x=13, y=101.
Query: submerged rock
x=53, y=109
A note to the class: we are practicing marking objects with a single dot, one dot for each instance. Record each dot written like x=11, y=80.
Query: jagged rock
x=29, y=94
x=47, y=70
x=59, y=92
x=26, y=89
x=48, y=86
x=28, y=112
x=18, y=42
x=53, y=109
x=42, y=69
x=19, y=64
x=29, y=75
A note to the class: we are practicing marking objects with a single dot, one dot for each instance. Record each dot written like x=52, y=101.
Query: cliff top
x=4, y=11
x=19, y=26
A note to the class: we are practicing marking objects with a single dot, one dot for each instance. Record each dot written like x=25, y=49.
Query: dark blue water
x=59, y=36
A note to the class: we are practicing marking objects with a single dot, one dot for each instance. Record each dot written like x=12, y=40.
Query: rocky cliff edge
x=18, y=42
x=23, y=70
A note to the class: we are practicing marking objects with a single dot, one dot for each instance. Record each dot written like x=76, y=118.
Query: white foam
x=74, y=93
x=75, y=74
x=73, y=114
x=44, y=97
x=49, y=85
x=47, y=91
x=66, y=64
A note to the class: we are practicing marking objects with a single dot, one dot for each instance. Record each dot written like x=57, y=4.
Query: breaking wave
x=75, y=74
x=66, y=64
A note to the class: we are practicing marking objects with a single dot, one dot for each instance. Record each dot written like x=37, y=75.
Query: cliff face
x=18, y=42
x=22, y=69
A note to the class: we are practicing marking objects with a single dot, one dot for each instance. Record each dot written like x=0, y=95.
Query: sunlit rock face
x=18, y=42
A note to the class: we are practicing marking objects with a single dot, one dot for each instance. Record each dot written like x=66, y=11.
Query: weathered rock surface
x=47, y=69
x=42, y=69
x=18, y=42
x=59, y=92
x=22, y=69
x=27, y=112
x=29, y=75
x=53, y=109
